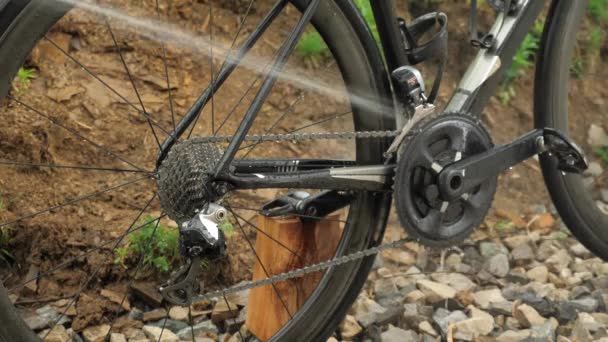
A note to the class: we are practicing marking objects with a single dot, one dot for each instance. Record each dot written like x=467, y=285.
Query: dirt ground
x=74, y=99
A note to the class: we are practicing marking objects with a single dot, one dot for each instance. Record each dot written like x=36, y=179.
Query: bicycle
x=441, y=168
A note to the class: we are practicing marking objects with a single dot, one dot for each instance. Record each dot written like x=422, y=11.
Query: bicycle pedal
x=570, y=157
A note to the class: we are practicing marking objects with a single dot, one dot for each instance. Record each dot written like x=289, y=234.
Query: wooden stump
x=313, y=242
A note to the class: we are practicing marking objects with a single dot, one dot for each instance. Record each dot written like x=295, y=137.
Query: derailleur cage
x=200, y=237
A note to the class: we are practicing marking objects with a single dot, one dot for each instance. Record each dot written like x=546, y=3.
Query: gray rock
x=539, y=274
x=394, y=334
x=600, y=283
x=559, y=261
x=514, y=336
x=412, y=316
x=522, y=253
x=595, y=170
x=458, y=281
x=498, y=265
x=597, y=137
x=485, y=297
x=542, y=333
x=136, y=314
x=366, y=311
x=586, y=304
x=501, y=308
x=443, y=318
x=490, y=249
x=173, y=325
x=565, y=312
x=205, y=326
x=579, y=291
x=158, y=334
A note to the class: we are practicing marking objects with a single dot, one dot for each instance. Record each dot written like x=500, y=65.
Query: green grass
x=599, y=10
x=158, y=245
x=24, y=79
x=6, y=256
x=602, y=153
x=312, y=44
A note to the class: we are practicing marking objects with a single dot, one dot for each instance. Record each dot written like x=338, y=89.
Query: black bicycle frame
x=472, y=95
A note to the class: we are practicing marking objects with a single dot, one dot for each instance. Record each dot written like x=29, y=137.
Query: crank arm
x=460, y=178
x=368, y=178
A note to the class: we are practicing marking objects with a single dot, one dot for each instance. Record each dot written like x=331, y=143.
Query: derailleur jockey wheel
x=432, y=145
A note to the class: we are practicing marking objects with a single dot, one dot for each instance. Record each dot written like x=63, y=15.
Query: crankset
x=448, y=168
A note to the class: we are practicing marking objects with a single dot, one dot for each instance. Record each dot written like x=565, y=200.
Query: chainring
x=430, y=146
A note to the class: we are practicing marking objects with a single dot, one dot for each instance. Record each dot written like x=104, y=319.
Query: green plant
x=522, y=62
x=602, y=153
x=6, y=256
x=156, y=243
x=24, y=79
x=312, y=44
x=599, y=10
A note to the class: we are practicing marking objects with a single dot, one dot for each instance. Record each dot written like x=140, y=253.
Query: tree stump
x=304, y=243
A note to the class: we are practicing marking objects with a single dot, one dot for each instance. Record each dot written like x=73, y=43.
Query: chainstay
x=302, y=136
x=304, y=270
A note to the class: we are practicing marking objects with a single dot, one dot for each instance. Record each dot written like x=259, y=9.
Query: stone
x=426, y=328
x=444, y=318
x=434, y=291
x=240, y=298
x=170, y=324
x=415, y=297
x=539, y=274
x=545, y=332
x=30, y=288
x=148, y=293
x=58, y=334
x=485, y=297
x=224, y=310
x=513, y=336
x=178, y=313
x=117, y=298
x=154, y=315
x=559, y=261
x=527, y=316
x=587, y=304
x=501, y=308
x=399, y=256
x=366, y=311
x=597, y=137
x=95, y=334
x=497, y=265
x=522, y=253
x=394, y=334
x=204, y=326
x=458, y=281
x=517, y=240
x=114, y=337
x=136, y=314
x=350, y=328
x=604, y=194
x=154, y=334
x=543, y=222
x=490, y=249
x=480, y=324
x=412, y=315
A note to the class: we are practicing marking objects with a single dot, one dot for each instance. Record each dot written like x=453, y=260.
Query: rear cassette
x=431, y=146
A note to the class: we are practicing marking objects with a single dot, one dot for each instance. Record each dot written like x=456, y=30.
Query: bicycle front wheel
x=569, y=95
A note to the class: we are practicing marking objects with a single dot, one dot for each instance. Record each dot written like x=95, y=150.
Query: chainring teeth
x=411, y=204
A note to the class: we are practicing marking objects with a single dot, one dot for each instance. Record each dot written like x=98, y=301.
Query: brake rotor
x=431, y=146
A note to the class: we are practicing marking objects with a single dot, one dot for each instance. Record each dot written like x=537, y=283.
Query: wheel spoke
x=128, y=71
x=237, y=216
x=87, y=253
x=260, y=261
x=99, y=265
x=105, y=84
x=74, y=132
x=74, y=201
x=221, y=284
x=164, y=52
x=226, y=60
x=74, y=167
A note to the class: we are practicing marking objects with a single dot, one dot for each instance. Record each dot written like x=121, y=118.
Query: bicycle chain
x=303, y=136
x=322, y=265
x=304, y=270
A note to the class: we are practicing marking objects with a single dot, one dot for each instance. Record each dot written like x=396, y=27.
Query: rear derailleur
x=201, y=237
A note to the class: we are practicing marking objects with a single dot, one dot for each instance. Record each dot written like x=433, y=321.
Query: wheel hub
x=425, y=213
x=184, y=179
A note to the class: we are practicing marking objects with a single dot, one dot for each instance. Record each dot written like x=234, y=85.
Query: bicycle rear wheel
x=68, y=165
x=568, y=96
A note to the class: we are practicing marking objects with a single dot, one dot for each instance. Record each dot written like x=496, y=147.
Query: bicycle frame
x=473, y=93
